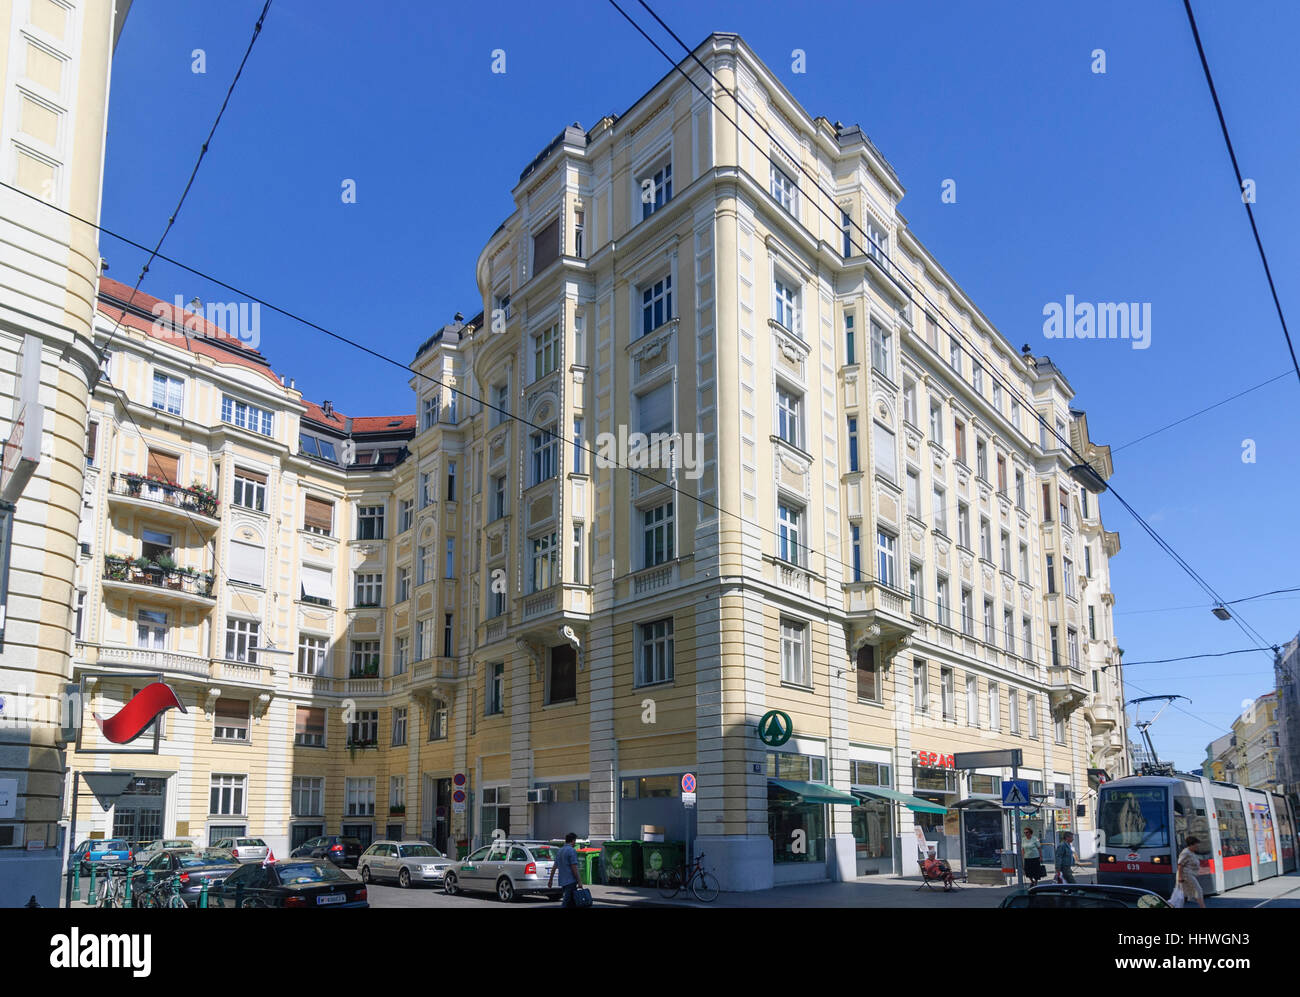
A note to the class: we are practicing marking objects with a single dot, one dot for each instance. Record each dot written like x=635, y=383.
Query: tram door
x=1263, y=833
x=1285, y=833
x=1234, y=836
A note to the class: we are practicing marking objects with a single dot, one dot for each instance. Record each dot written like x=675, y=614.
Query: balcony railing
x=196, y=499
x=144, y=572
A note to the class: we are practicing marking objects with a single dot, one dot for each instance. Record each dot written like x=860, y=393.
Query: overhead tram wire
x=965, y=345
x=155, y=253
x=1186, y=418
x=1241, y=183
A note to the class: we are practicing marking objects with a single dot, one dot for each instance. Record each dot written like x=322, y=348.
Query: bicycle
x=703, y=884
x=166, y=894
x=113, y=889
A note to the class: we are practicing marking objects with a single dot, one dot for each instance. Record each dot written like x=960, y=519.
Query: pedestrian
x=1065, y=858
x=1032, y=850
x=567, y=863
x=1189, y=865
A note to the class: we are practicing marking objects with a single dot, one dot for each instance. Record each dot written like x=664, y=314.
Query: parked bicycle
x=112, y=891
x=166, y=893
x=704, y=885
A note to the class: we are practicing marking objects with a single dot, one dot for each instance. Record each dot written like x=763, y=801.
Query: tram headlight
x=1157, y=859
x=1108, y=858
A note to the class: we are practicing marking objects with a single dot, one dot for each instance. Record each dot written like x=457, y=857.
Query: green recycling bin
x=589, y=865
x=622, y=861
x=661, y=856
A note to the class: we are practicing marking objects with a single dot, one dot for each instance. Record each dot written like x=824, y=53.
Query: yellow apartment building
x=708, y=454
x=55, y=61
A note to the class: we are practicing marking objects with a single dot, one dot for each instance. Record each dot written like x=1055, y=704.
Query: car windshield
x=1134, y=818
x=420, y=852
x=298, y=873
x=251, y=843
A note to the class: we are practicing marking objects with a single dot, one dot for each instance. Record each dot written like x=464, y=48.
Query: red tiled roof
x=317, y=414
x=382, y=423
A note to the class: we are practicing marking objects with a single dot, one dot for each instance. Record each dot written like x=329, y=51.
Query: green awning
x=913, y=803
x=813, y=792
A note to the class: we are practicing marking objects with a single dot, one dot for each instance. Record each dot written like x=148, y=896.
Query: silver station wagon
x=405, y=861
x=506, y=868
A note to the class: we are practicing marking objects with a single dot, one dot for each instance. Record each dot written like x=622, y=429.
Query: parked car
x=506, y=868
x=404, y=861
x=1082, y=895
x=340, y=850
x=151, y=848
x=194, y=868
x=244, y=849
x=107, y=852
x=290, y=883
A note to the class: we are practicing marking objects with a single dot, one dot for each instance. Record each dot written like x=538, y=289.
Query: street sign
x=458, y=779
x=1011, y=758
x=688, y=799
x=1015, y=793
x=458, y=796
x=688, y=783
x=775, y=728
x=107, y=786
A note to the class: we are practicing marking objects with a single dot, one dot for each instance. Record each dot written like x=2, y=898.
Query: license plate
x=333, y=898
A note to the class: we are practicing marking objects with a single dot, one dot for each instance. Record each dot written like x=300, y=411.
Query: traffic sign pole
x=1015, y=833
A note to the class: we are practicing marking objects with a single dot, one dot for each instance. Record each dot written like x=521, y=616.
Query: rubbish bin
x=589, y=865
x=661, y=856
x=622, y=861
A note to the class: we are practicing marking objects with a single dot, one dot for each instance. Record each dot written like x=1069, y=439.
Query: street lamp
x=1085, y=475
x=1221, y=611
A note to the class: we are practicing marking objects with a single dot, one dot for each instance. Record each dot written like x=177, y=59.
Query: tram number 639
x=1131, y=866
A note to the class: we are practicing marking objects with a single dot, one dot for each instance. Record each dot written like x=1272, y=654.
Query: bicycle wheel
x=706, y=887
x=174, y=902
x=670, y=883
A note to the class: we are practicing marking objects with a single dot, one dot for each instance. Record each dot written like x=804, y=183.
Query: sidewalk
x=868, y=891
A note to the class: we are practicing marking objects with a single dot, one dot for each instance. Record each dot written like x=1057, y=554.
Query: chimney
x=327, y=407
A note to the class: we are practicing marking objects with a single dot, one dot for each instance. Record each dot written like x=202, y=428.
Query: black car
x=194, y=868
x=290, y=883
x=338, y=849
x=1082, y=895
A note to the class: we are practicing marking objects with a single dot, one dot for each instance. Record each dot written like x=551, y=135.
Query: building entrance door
x=442, y=815
x=138, y=813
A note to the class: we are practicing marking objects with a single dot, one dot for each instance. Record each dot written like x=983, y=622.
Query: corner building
x=868, y=534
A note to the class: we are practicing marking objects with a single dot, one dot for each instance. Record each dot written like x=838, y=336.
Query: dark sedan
x=290, y=883
x=194, y=868
x=338, y=849
x=1082, y=895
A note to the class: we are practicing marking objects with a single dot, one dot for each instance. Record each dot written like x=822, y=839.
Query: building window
x=578, y=449
x=794, y=653
x=226, y=795
x=1009, y=630
x=783, y=189
x=399, y=726
x=495, y=697
x=545, y=450
x=241, y=640
x=448, y=635
x=308, y=795
x=948, y=695
x=151, y=630
x=886, y=559
x=1067, y=573
x=986, y=540
x=941, y=601
x=424, y=639
x=364, y=730
x=853, y=444
x=972, y=702
x=1051, y=574
x=995, y=707
x=579, y=556
x=936, y=423
x=981, y=459
x=401, y=654
x=318, y=516
x=657, y=530
x=909, y=401
x=1056, y=649
x=429, y=412
x=449, y=562
x=250, y=490
x=1006, y=551
x=359, y=796
x=451, y=481
x=954, y=354
x=1087, y=560
x=920, y=687
x=967, y=612
x=656, y=190
x=397, y=783
x=1092, y=623
x=369, y=590
x=562, y=675
x=1060, y=730
x=789, y=527
x=869, y=685
x=977, y=376
x=546, y=351
x=246, y=416
x=916, y=582
x=1047, y=503
x=654, y=410
x=940, y=510
x=846, y=230
x=424, y=564
x=850, y=348
x=545, y=562
x=656, y=304
x=881, y=349
x=437, y=720
x=1024, y=562
x=364, y=660
x=546, y=245
x=498, y=496
x=963, y=525
x=788, y=405
x=500, y=403
x=231, y=722
x=1027, y=636
x=1002, y=475
x=655, y=657
x=886, y=452
x=990, y=629
x=1031, y=711
x=405, y=515
x=311, y=654
x=914, y=494
x=579, y=222
x=317, y=585
x=403, y=584
x=168, y=393
x=785, y=304
x=959, y=440
x=1020, y=490
x=877, y=240
x=1072, y=646
x=855, y=543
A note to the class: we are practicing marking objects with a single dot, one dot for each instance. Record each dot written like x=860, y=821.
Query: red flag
x=270, y=856
x=139, y=712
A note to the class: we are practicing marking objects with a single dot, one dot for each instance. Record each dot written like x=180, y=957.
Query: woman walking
x=1032, y=851
x=1189, y=864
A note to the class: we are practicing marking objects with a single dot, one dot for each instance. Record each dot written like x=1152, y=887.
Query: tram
x=1143, y=823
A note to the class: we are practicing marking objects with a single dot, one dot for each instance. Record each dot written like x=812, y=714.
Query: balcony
x=540, y=614
x=161, y=499
x=873, y=605
x=192, y=668
x=309, y=684
x=1104, y=716
x=165, y=582
x=1067, y=686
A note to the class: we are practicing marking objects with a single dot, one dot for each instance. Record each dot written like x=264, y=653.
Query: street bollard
x=93, y=898
x=76, y=881
x=203, y=895
x=129, y=902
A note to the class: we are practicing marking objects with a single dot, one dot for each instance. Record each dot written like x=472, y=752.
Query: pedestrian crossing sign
x=1015, y=793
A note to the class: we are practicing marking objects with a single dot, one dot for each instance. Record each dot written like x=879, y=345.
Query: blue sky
x=1113, y=187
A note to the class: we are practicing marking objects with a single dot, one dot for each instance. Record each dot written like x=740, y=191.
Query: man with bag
x=1065, y=858
x=567, y=862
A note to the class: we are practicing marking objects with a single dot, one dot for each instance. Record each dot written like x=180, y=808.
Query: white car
x=405, y=861
x=244, y=849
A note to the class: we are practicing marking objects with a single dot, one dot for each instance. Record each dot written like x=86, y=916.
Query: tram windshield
x=1134, y=818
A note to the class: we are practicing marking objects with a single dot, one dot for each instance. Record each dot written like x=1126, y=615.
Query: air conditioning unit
x=539, y=796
